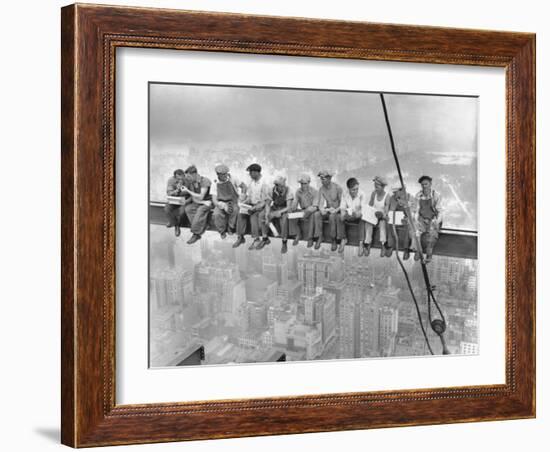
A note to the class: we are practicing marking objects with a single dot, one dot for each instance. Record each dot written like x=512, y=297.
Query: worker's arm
x=387, y=203
x=197, y=196
x=172, y=188
x=371, y=201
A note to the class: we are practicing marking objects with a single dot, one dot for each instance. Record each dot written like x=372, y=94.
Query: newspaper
x=399, y=215
x=368, y=214
x=177, y=200
x=244, y=208
x=273, y=229
x=295, y=215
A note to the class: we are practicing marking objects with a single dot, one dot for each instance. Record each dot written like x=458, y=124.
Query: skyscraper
x=388, y=330
x=316, y=270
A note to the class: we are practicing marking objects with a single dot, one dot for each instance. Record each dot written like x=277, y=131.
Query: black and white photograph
x=303, y=224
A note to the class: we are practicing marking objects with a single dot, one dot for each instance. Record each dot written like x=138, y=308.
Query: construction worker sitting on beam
x=225, y=197
x=255, y=196
x=303, y=201
x=175, y=212
x=428, y=216
x=400, y=201
x=199, y=209
x=350, y=210
x=379, y=199
x=276, y=209
x=328, y=203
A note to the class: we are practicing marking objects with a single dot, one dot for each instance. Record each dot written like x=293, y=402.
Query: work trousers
x=304, y=227
x=428, y=229
x=174, y=213
x=281, y=221
x=254, y=219
x=369, y=230
x=350, y=220
x=198, y=217
x=404, y=235
x=225, y=221
x=335, y=223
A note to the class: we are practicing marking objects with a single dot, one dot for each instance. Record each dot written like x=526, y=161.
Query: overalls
x=226, y=220
x=426, y=214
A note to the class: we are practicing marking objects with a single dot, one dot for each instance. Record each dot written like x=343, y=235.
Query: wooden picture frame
x=90, y=35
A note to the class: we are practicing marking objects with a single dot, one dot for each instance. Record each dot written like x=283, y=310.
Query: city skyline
x=309, y=305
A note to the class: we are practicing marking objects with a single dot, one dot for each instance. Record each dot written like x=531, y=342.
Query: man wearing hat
x=379, y=199
x=304, y=199
x=176, y=212
x=399, y=201
x=225, y=197
x=276, y=208
x=198, y=210
x=256, y=194
x=428, y=217
x=328, y=202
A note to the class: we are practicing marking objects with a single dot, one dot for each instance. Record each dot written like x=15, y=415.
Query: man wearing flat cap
x=201, y=205
x=225, y=197
x=175, y=212
x=400, y=201
x=304, y=199
x=428, y=216
x=328, y=202
x=255, y=195
x=379, y=199
x=276, y=209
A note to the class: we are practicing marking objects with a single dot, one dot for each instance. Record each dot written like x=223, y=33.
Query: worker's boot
x=284, y=247
x=342, y=245
x=366, y=249
x=265, y=241
x=240, y=240
x=429, y=249
x=429, y=253
x=194, y=238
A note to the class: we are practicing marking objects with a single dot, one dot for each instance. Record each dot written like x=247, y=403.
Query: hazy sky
x=194, y=115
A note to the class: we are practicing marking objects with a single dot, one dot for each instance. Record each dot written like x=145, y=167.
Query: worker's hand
x=311, y=209
x=404, y=220
x=229, y=208
x=379, y=215
x=323, y=211
x=276, y=214
x=222, y=206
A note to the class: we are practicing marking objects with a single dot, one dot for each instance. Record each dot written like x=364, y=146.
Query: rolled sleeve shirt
x=305, y=198
x=197, y=187
x=257, y=191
